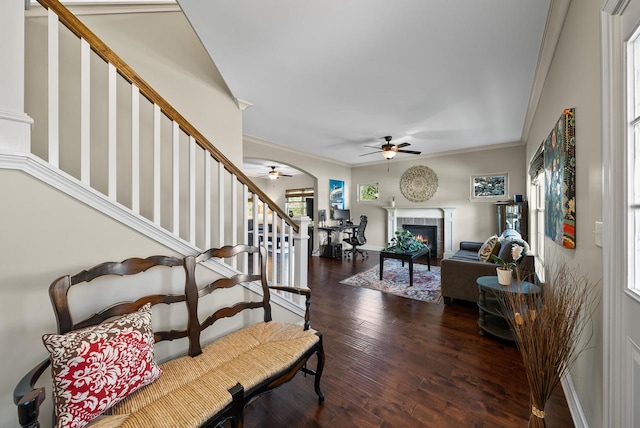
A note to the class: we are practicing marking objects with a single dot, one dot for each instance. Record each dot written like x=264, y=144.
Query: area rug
x=426, y=284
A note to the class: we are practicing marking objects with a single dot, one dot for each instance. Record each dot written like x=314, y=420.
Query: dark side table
x=410, y=256
x=490, y=315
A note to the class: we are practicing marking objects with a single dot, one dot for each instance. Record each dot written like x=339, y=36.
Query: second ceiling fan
x=274, y=175
x=389, y=150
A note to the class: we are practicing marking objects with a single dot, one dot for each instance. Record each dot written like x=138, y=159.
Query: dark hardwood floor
x=396, y=362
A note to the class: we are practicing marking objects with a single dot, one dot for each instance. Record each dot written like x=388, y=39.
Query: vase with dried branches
x=548, y=329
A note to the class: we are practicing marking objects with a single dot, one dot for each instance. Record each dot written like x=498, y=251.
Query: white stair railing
x=206, y=199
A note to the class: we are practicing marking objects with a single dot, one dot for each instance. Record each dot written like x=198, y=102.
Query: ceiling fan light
x=389, y=154
x=273, y=175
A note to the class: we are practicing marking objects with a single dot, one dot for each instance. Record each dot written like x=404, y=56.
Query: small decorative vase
x=504, y=276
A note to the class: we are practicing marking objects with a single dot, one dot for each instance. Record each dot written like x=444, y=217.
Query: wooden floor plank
x=397, y=362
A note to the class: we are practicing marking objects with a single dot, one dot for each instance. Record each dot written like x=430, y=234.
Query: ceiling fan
x=389, y=150
x=274, y=175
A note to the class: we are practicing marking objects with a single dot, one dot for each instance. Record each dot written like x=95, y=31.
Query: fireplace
x=428, y=234
x=439, y=217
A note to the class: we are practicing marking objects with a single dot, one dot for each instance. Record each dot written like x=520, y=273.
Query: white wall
x=473, y=221
x=574, y=81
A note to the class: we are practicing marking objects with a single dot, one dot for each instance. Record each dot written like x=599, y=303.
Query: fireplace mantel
x=446, y=213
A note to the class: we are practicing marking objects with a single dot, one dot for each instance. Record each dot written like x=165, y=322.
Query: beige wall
x=322, y=170
x=163, y=49
x=473, y=221
x=574, y=81
x=275, y=189
x=47, y=234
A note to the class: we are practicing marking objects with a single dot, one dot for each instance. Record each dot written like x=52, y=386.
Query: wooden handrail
x=103, y=51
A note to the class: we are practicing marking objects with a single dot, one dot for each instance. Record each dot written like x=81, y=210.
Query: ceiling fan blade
x=378, y=151
x=412, y=152
x=285, y=175
x=373, y=147
x=403, y=145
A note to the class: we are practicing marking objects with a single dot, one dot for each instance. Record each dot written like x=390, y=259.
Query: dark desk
x=331, y=249
x=409, y=256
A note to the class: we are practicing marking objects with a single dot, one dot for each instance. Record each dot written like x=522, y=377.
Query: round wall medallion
x=419, y=183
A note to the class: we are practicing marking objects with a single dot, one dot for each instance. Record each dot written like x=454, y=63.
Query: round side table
x=490, y=315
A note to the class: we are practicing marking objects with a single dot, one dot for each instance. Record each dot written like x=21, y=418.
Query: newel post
x=15, y=124
x=301, y=251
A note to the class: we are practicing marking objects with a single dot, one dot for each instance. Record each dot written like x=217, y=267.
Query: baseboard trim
x=573, y=401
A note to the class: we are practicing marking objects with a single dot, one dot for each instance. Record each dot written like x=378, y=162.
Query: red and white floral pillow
x=96, y=367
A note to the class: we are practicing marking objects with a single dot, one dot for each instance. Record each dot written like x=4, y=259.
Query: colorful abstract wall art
x=560, y=181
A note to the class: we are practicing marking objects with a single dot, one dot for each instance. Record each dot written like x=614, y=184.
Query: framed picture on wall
x=368, y=193
x=336, y=194
x=489, y=186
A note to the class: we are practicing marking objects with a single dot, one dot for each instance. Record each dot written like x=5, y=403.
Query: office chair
x=356, y=239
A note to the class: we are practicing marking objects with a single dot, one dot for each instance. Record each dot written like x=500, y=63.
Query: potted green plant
x=405, y=242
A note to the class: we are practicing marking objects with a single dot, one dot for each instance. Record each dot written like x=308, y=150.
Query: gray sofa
x=460, y=271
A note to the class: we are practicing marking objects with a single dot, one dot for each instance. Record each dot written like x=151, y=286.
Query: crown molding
x=558, y=10
x=242, y=104
x=271, y=144
x=107, y=7
x=267, y=143
x=500, y=146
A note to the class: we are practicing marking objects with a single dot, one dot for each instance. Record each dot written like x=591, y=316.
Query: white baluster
x=53, y=72
x=245, y=226
x=176, y=178
x=234, y=216
x=220, y=204
x=135, y=149
x=256, y=238
x=207, y=200
x=112, y=134
x=85, y=112
x=274, y=247
x=192, y=190
x=283, y=241
x=156, y=165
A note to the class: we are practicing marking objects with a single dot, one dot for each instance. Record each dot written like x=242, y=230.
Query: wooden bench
x=206, y=385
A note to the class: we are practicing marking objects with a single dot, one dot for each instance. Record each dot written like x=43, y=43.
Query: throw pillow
x=95, y=367
x=484, y=254
x=505, y=252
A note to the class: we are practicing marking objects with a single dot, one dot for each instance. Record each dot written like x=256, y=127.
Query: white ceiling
x=329, y=77
x=260, y=168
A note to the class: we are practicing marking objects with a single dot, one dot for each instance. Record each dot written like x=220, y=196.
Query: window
x=368, y=192
x=633, y=150
x=537, y=202
x=296, y=201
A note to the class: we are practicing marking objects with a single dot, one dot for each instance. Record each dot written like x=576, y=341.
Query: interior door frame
x=616, y=408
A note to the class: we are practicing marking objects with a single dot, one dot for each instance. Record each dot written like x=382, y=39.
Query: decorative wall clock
x=419, y=183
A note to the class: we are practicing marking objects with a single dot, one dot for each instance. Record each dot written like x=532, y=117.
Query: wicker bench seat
x=212, y=383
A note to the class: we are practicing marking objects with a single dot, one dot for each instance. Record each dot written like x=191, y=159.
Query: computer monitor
x=342, y=215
